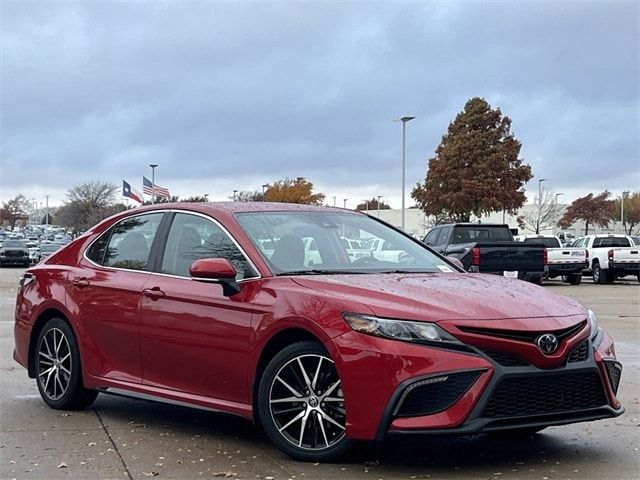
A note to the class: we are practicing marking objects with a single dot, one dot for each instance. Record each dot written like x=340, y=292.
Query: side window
x=191, y=238
x=432, y=237
x=130, y=242
x=444, y=235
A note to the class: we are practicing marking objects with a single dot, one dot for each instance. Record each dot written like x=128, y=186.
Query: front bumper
x=485, y=393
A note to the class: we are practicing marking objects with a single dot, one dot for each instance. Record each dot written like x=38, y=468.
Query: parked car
x=489, y=248
x=47, y=249
x=177, y=303
x=611, y=256
x=562, y=261
x=14, y=252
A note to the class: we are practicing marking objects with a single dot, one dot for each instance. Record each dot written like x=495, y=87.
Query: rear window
x=547, y=242
x=608, y=242
x=472, y=233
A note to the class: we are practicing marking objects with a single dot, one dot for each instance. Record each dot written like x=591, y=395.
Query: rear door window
x=128, y=243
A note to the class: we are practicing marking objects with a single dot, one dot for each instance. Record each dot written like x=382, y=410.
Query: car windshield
x=324, y=242
x=15, y=244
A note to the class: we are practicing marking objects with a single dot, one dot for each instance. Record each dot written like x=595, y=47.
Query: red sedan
x=285, y=315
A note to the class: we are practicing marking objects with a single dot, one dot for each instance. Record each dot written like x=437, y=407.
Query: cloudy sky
x=230, y=96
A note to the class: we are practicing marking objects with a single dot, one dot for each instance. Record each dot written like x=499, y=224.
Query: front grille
x=523, y=336
x=15, y=253
x=435, y=394
x=614, y=371
x=504, y=359
x=580, y=353
x=545, y=394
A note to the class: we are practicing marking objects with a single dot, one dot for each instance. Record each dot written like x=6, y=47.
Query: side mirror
x=217, y=270
x=456, y=262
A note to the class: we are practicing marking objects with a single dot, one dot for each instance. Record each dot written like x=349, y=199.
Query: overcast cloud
x=227, y=96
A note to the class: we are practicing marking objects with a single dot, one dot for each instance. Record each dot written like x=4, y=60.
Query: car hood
x=438, y=297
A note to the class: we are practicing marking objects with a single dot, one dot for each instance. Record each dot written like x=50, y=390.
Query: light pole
x=344, y=202
x=379, y=197
x=263, y=190
x=624, y=228
x=153, y=182
x=404, y=121
x=334, y=200
x=234, y=195
x=539, y=203
x=47, y=212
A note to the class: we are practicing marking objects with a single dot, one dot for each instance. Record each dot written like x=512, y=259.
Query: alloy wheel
x=54, y=364
x=306, y=403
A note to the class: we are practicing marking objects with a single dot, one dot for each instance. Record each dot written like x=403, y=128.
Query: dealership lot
x=123, y=438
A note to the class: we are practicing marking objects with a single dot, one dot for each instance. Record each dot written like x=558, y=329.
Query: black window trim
x=154, y=256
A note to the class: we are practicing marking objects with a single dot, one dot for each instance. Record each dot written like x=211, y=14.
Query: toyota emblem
x=547, y=343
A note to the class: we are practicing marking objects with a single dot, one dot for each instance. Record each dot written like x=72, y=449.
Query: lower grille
x=433, y=395
x=614, y=371
x=580, y=353
x=545, y=394
x=504, y=359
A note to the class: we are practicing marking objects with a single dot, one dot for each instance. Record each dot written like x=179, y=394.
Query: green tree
x=373, y=205
x=631, y=212
x=14, y=209
x=593, y=210
x=296, y=190
x=476, y=169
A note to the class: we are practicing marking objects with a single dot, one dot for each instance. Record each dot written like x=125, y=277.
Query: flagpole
x=153, y=182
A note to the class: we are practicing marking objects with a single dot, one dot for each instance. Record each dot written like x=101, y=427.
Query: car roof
x=242, y=207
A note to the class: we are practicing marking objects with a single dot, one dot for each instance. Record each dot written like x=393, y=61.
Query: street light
x=379, y=197
x=557, y=195
x=234, y=195
x=624, y=194
x=153, y=182
x=539, y=203
x=344, y=201
x=404, y=121
x=263, y=187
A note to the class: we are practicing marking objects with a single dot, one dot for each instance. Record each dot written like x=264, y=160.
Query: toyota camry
x=266, y=311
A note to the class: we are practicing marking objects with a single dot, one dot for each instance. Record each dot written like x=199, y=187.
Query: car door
x=105, y=290
x=194, y=339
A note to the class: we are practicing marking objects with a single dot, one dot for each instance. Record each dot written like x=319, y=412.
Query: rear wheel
x=301, y=404
x=57, y=367
x=572, y=278
x=598, y=274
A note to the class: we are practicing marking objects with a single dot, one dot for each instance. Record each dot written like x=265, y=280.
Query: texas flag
x=131, y=193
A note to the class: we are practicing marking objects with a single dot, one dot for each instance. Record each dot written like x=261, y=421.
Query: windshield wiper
x=407, y=271
x=319, y=271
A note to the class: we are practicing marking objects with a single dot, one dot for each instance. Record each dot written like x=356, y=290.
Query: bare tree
x=14, y=210
x=87, y=204
x=545, y=215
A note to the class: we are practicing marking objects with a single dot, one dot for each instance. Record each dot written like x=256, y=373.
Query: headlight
x=405, y=330
x=593, y=323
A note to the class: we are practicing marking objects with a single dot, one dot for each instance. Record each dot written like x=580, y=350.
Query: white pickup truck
x=610, y=256
x=568, y=262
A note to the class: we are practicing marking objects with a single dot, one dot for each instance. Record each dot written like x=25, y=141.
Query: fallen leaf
x=62, y=465
x=150, y=474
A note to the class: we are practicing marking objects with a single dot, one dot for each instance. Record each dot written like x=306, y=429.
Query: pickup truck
x=567, y=262
x=489, y=248
x=611, y=256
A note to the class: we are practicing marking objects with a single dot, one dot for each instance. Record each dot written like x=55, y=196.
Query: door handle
x=153, y=293
x=80, y=282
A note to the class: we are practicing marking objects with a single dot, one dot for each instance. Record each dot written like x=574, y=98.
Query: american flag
x=148, y=189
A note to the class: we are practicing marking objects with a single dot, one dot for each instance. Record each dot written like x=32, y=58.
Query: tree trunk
x=586, y=228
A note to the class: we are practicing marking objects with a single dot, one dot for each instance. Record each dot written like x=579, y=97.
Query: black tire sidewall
x=75, y=383
x=272, y=369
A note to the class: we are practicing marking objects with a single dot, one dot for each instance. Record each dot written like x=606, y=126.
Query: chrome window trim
x=173, y=210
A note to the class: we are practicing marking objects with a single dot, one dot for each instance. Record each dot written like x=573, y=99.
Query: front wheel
x=57, y=366
x=301, y=404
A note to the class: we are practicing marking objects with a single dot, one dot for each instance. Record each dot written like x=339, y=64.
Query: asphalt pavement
x=120, y=438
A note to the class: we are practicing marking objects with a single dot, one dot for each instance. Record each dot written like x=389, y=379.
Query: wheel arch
x=273, y=345
x=38, y=325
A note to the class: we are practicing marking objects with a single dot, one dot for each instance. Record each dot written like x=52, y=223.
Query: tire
x=609, y=277
x=58, y=369
x=639, y=278
x=574, y=278
x=598, y=274
x=306, y=369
